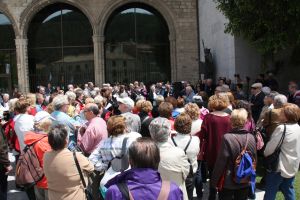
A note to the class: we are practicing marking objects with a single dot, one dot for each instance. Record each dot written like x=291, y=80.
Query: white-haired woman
x=174, y=165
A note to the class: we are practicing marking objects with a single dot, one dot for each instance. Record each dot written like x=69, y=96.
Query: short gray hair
x=71, y=95
x=59, y=101
x=279, y=100
x=160, y=129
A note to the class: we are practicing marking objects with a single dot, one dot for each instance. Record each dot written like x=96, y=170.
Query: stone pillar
x=22, y=64
x=173, y=58
x=99, y=59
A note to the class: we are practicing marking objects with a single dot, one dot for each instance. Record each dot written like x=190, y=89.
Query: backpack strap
x=172, y=137
x=281, y=139
x=164, y=191
x=188, y=144
x=125, y=191
x=247, y=141
x=123, y=148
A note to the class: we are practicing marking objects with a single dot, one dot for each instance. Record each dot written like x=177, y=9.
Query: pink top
x=250, y=125
x=95, y=132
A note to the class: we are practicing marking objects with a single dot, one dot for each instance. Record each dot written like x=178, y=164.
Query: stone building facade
x=180, y=17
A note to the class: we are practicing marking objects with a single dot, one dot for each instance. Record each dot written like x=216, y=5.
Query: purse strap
x=281, y=139
x=79, y=170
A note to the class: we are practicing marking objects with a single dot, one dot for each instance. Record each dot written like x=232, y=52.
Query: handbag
x=87, y=192
x=271, y=162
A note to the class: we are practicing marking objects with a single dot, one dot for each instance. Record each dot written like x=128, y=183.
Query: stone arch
x=157, y=5
x=37, y=5
x=5, y=11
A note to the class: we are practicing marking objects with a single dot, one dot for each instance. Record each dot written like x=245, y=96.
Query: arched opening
x=137, y=45
x=60, y=47
x=8, y=66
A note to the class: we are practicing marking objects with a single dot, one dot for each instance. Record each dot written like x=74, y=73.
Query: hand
x=8, y=169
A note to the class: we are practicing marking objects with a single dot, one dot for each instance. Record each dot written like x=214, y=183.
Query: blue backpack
x=244, y=166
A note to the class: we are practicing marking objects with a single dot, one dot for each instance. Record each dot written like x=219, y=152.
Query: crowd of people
x=158, y=142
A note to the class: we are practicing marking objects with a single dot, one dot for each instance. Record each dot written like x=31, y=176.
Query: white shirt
x=23, y=124
x=196, y=126
x=193, y=149
x=289, y=157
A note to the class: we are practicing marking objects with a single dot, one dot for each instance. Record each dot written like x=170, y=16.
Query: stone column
x=99, y=59
x=22, y=64
x=173, y=58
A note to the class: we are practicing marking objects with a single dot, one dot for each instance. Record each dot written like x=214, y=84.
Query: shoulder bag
x=271, y=162
x=87, y=192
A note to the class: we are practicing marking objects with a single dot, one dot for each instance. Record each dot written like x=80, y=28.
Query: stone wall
x=180, y=15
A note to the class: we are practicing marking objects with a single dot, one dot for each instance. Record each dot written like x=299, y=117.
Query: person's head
x=126, y=104
x=91, y=110
x=192, y=110
x=144, y=153
x=218, y=102
x=291, y=113
x=43, y=121
x=159, y=99
x=71, y=96
x=79, y=93
x=279, y=101
x=40, y=99
x=188, y=90
x=22, y=106
x=269, y=99
x=246, y=105
x=266, y=90
x=293, y=87
x=58, y=137
x=218, y=90
x=172, y=100
x=42, y=90
x=12, y=104
x=230, y=97
x=180, y=102
x=5, y=97
x=160, y=129
x=89, y=100
x=146, y=106
x=31, y=98
x=183, y=124
x=116, y=125
x=70, y=87
x=256, y=88
x=165, y=110
x=239, y=87
x=238, y=118
x=61, y=103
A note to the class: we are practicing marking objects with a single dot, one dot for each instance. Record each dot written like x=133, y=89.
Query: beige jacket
x=174, y=165
x=63, y=178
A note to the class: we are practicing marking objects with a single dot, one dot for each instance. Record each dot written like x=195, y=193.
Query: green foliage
x=270, y=25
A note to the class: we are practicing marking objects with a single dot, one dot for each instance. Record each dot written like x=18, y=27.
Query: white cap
x=42, y=115
x=257, y=85
x=127, y=101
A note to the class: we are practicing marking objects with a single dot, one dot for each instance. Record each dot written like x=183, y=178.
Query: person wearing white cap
x=133, y=121
x=257, y=100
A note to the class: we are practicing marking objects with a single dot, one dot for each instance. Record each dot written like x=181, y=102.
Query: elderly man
x=257, y=100
x=133, y=121
x=61, y=105
x=93, y=131
x=189, y=94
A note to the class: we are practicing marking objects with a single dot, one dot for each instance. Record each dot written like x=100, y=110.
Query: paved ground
x=14, y=194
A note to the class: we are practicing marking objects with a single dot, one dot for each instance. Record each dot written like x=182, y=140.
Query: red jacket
x=10, y=135
x=40, y=148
